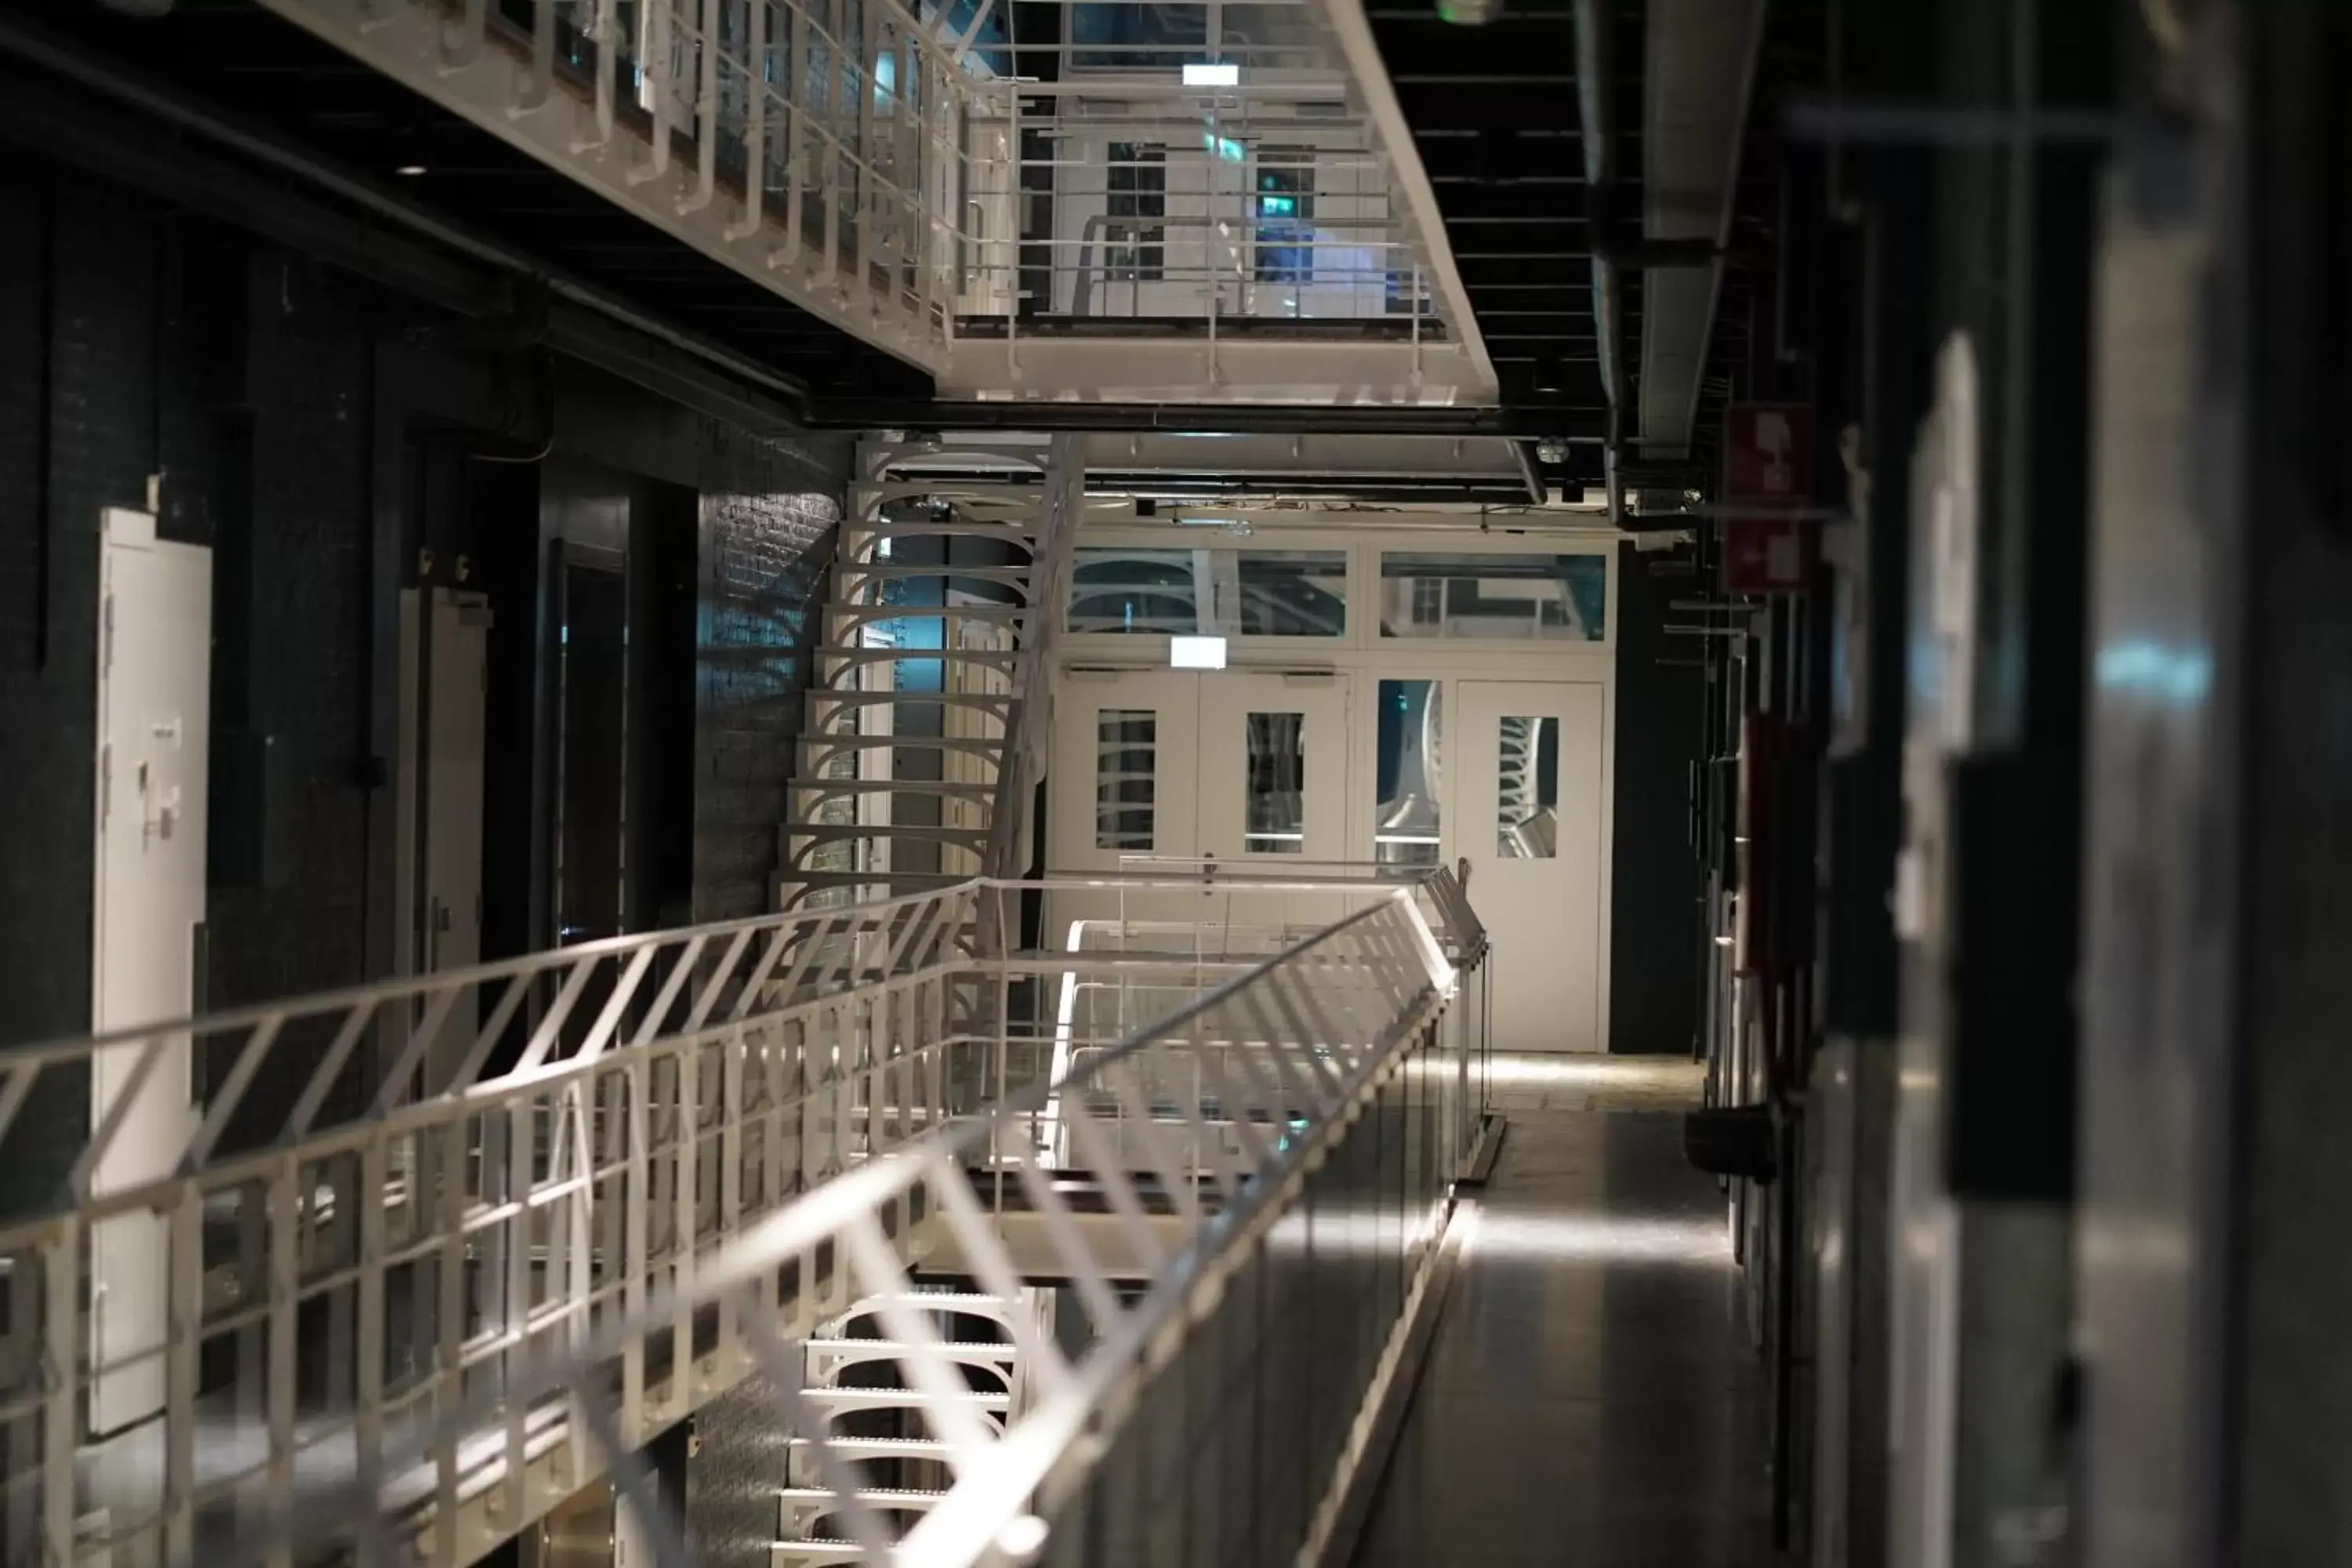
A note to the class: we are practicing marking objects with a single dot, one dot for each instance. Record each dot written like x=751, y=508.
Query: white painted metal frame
x=766, y=133
x=663, y=1159
x=995, y=663
x=862, y=161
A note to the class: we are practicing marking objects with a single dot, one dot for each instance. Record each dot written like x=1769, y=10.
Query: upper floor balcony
x=1094, y=199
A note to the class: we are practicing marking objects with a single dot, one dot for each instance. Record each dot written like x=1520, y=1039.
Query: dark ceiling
x=1493, y=109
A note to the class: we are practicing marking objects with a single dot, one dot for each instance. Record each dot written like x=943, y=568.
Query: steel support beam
x=1595, y=61
x=1701, y=69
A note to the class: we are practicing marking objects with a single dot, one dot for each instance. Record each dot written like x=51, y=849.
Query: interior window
x=1286, y=594
x=1527, y=788
x=1545, y=598
x=1121, y=588
x=1407, y=780
x=1276, y=785
x=1126, y=742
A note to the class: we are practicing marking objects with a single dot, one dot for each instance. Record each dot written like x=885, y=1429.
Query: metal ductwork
x=1700, y=68
x=1594, y=70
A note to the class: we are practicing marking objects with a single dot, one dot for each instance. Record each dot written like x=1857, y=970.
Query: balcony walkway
x=1588, y=1395
x=519, y=1219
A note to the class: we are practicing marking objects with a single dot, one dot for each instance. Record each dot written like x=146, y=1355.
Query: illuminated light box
x=1196, y=653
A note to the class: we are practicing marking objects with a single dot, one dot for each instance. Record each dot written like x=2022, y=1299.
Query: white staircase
x=942, y=615
x=890, y=1434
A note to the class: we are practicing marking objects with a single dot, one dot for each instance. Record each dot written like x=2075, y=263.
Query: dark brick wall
x=142, y=340
x=65, y=451
x=306, y=431
x=770, y=512
x=138, y=338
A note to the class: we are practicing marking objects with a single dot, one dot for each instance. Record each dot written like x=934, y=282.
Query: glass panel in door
x=1272, y=767
x=1274, y=784
x=1408, y=772
x=1121, y=789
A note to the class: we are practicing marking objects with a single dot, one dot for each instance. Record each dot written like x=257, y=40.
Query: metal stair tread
x=936, y=1301
x=898, y=651
x=875, y=699
x=976, y=1399
x=899, y=1347
x=930, y=612
x=958, y=742
x=886, y=1496
x=994, y=572
x=889, y=786
x=902, y=1447
x=918, y=833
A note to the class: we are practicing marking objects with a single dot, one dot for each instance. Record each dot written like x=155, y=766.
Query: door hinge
x=106, y=633
x=105, y=782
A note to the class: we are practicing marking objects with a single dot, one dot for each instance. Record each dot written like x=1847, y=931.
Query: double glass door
x=1175, y=767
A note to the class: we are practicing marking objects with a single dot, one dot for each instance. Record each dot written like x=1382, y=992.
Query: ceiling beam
x=1702, y=56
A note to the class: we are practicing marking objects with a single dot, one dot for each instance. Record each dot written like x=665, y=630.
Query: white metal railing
x=820, y=147
x=378, y=1198
x=430, y=1253
x=865, y=158
x=1026, y=728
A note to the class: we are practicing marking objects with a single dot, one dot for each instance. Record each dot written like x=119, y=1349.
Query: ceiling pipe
x=1698, y=75
x=1594, y=66
x=1530, y=471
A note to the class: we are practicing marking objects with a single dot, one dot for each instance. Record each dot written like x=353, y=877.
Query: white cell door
x=1159, y=772
x=1530, y=794
x=154, y=727
x=1177, y=767
x=1122, y=788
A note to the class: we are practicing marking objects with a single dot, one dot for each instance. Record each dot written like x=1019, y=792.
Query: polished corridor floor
x=1588, y=1400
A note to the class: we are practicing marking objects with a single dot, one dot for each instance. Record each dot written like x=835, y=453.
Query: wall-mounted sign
x=1768, y=464
x=1767, y=453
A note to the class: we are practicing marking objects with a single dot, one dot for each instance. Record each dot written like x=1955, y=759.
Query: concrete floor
x=1589, y=1399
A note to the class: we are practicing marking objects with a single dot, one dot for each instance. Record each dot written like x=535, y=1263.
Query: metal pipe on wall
x=1594, y=63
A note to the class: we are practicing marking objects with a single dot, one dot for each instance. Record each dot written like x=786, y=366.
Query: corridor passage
x=1589, y=1398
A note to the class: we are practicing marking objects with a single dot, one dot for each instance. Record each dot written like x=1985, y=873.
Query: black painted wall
x=322, y=436
x=1655, y=886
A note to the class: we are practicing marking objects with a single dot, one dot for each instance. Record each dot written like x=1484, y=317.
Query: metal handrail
x=591, y=1207
x=1463, y=933
x=948, y=1174
x=1026, y=728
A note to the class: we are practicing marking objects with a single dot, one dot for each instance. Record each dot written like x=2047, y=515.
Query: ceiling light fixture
x=409, y=171
x=1211, y=73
